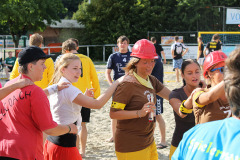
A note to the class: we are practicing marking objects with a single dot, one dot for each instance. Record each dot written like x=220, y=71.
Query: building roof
x=66, y=23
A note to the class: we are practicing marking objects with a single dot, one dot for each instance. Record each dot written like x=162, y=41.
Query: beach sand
x=99, y=128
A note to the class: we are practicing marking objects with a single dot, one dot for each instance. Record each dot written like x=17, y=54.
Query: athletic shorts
x=200, y=61
x=149, y=153
x=10, y=68
x=159, y=105
x=177, y=63
x=54, y=152
x=85, y=112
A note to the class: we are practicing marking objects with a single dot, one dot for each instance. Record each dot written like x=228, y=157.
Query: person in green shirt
x=9, y=63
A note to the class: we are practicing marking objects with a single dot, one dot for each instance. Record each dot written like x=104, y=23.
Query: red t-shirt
x=25, y=113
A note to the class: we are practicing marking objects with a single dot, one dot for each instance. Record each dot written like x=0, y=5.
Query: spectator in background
x=178, y=50
x=87, y=80
x=200, y=54
x=9, y=63
x=214, y=45
x=158, y=73
x=217, y=139
x=36, y=40
x=116, y=62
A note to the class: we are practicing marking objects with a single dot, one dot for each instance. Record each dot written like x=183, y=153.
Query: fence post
x=49, y=51
x=103, y=53
x=88, y=51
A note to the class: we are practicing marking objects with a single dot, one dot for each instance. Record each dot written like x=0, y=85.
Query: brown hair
x=74, y=40
x=130, y=67
x=153, y=39
x=68, y=45
x=215, y=37
x=123, y=38
x=232, y=81
x=176, y=38
x=35, y=40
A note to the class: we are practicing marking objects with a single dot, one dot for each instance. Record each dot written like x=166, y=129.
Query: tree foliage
x=21, y=16
x=71, y=6
x=106, y=20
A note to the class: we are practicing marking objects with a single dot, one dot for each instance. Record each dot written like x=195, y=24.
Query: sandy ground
x=99, y=128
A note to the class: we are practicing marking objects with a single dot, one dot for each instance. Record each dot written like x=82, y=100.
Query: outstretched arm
x=18, y=84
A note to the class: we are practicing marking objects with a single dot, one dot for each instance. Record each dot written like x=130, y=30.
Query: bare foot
x=110, y=140
x=83, y=155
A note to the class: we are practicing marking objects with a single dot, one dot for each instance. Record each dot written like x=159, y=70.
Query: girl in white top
x=66, y=105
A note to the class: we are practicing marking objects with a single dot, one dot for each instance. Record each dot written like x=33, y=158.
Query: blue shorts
x=177, y=63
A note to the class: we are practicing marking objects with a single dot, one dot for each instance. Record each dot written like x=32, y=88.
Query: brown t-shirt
x=137, y=133
x=216, y=110
x=182, y=124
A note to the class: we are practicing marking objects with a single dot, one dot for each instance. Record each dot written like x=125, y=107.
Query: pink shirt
x=25, y=113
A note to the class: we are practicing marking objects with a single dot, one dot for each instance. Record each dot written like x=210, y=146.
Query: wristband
x=52, y=89
x=183, y=109
x=197, y=94
x=69, y=129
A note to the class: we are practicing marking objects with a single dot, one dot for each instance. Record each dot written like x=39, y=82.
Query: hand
x=196, y=90
x=63, y=85
x=21, y=83
x=89, y=92
x=74, y=129
x=165, y=61
x=147, y=108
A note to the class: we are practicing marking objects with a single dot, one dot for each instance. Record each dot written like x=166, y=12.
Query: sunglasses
x=220, y=69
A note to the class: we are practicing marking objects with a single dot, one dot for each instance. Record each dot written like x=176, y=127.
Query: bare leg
x=177, y=74
x=6, y=71
x=162, y=127
x=114, y=125
x=83, y=139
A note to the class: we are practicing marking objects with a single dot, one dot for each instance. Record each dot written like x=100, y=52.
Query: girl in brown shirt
x=133, y=102
x=211, y=104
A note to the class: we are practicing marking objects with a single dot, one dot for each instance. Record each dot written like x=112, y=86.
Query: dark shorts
x=85, y=112
x=159, y=105
x=10, y=68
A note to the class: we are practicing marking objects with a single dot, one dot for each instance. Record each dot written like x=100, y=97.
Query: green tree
x=72, y=6
x=106, y=20
x=21, y=16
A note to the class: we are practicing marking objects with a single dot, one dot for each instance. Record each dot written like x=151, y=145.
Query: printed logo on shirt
x=12, y=100
x=208, y=148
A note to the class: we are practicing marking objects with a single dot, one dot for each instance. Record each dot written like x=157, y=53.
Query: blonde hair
x=63, y=62
x=35, y=40
x=130, y=67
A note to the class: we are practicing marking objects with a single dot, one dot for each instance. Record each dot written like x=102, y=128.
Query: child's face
x=123, y=46
x=73, y=71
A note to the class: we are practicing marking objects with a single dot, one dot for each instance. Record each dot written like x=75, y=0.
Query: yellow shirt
x=47, y=74
x=89, y=78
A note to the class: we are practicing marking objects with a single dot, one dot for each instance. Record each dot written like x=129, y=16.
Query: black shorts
x=10, y=68
x=159, y=105
x=85, y=112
